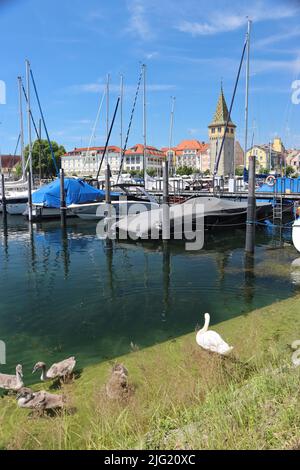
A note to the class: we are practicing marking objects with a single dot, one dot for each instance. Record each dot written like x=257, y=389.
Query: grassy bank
x=184, y=398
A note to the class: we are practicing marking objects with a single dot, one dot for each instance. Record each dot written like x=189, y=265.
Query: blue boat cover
x=282, y=185
x=76, y=191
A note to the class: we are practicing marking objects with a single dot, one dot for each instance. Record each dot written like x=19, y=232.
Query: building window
x=213, y=130
x=219, y=129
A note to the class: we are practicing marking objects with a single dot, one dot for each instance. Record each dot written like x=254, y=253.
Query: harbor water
x=68, y=293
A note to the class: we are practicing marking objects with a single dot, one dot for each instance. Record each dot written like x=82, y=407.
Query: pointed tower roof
x=221, y=113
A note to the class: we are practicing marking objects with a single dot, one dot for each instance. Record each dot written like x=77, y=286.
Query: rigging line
x=44, y=123
x=94, y=127
x=108, y=137
x=17, y=145
x=130, y=122
x=230, y=109
x=34, y=125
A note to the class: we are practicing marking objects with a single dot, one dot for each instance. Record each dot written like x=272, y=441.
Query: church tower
x=216, y=132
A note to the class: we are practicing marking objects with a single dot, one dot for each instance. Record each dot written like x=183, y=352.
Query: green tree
x=289, y=170
x=41, y=150
x=239, y=171
x=185, y=170
x=151, y=172
x=263, y=171
x=136, y=174
x=18, y=170
x=207, y=172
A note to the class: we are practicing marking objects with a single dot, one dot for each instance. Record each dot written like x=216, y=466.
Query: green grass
x=184, y=398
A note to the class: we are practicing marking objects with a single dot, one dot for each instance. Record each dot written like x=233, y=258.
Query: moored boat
x=205, y=212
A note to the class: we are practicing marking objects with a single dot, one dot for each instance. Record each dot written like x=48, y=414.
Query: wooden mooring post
x=29, y=186
x=251, y=208
x=107, y=185
x=3, y=195
x=166, y=208
x=63, y=207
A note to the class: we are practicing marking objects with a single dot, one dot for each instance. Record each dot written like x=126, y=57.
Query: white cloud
x=99, y=87
x=265, y=65
x=151, y=55
x=138, y=20
x=279, y=37
x=224, y=22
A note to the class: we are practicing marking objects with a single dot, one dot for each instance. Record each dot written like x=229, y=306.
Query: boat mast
x=144, y=124
x=247, y=91
x=171, y=128
x=29, y=119
x=107, y=110
x=21, y=127
x=121, y=115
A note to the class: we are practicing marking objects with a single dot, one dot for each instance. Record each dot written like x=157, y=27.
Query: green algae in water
x=69, y=293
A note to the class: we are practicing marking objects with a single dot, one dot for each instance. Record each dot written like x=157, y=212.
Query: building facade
x=189, y=153
x=293, y=160
x=193, y=154
x=269, y=157
x=238, y=155
x=134, y=159
x=216, y=131
x=8, y=163
x=85, y=161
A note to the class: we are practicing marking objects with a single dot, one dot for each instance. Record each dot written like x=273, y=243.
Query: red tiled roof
x=78, y=150
x=192, y=145
x=139, y=149
x=9, y=161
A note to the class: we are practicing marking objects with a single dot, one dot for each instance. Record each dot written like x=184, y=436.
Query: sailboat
x=16, y=193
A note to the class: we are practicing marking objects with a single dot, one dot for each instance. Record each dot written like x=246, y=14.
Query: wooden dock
x=238, y=195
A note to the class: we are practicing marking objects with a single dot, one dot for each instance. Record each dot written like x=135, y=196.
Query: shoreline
x=184, y=397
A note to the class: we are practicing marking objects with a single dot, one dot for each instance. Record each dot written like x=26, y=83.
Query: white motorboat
x=40, y=212
x=96, y=210
x=125, y=199
x=16, y=202
x=212, y=212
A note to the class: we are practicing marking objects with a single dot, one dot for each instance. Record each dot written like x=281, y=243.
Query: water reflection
x=64, y=292
x=166, y=279
x=65, y=249
x=249, y=279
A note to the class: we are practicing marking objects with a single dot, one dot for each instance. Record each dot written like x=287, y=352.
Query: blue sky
x=188, y=46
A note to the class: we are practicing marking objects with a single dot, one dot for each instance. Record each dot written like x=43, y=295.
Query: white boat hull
x=16, y=202
x=16, y=208
x=93, y=211
x=296, y=234
x=40, y=212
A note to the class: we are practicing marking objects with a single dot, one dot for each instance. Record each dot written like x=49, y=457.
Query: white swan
x=210, y=340
x=12, y=382
x=61, y=370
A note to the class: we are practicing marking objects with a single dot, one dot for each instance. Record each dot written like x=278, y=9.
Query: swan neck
x=19, y=378
x=206, y=325
x=44, y=373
